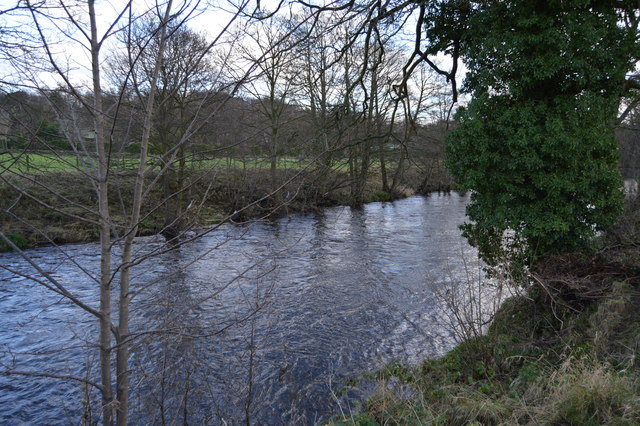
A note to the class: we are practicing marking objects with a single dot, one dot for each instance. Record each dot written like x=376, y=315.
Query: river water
x=266, y=322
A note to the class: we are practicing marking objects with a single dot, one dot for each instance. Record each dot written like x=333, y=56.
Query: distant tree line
x=282, y=88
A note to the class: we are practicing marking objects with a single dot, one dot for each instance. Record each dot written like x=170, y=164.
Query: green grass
x=23, y=162
x=33, y=163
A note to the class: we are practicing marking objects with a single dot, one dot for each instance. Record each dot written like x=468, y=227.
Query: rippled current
x=264, y=323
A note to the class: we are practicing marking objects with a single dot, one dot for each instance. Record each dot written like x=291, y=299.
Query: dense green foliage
x=44, y=134
x=536, y=143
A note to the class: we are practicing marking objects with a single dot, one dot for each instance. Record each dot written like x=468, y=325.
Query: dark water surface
x=321, y=298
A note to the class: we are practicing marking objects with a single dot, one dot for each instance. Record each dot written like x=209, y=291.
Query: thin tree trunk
x=105, y=228
x=122, y=355
x=274, y=152
x=383, y=168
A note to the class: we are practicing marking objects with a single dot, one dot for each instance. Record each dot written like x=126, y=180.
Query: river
x=267, y=322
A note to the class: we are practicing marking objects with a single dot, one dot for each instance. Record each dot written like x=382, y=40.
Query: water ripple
x=339, y=292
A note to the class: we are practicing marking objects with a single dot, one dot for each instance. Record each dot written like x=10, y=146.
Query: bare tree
x=186, y=89
x=59, y=26
x=270, y=48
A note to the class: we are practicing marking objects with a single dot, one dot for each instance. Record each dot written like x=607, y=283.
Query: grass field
x=33, y=163
x=24, y=162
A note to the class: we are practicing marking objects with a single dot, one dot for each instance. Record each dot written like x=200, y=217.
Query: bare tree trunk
x=123, y=334
x=105, y=227
x=383, y=166
x=274, y=154
x=400, y=166
x=381, y=140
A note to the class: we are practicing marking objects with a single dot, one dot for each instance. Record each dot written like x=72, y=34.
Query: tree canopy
x=535, y=144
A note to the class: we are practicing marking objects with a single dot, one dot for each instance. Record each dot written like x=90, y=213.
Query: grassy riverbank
x=60, y=206
x=564, y=352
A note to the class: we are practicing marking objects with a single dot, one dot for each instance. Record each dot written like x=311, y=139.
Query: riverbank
x=563, y=352
x=59, y=207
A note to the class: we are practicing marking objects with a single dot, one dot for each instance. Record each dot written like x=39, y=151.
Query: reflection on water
x=262, y=322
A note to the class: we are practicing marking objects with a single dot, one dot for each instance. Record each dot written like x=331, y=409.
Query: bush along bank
x=564, y=352
x=60, y=207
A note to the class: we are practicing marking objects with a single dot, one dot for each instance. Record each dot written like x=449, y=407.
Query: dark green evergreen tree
x=535, y=144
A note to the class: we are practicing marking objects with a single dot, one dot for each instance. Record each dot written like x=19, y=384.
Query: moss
x=379, y=196
x=17, y=238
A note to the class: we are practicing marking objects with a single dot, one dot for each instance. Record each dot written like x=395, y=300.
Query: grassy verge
x=563, y=353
